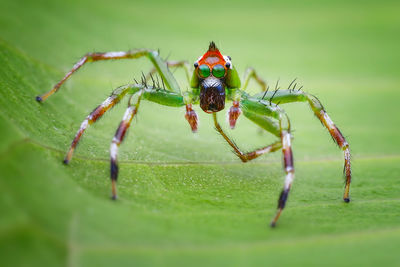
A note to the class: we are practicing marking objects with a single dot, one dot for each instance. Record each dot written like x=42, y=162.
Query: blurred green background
x=185, y=199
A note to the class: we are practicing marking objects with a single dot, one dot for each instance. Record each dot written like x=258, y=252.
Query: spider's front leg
x=159, y=64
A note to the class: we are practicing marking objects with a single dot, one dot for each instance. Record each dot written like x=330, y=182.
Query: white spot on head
x=227, y=59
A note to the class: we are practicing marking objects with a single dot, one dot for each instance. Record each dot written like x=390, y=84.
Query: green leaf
x=186, y=199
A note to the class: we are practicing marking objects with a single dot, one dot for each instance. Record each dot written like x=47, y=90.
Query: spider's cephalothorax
x=211, y=70
x=214, y=81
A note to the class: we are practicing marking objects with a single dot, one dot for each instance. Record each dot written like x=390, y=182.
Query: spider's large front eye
x=218, y=71
x=204, y=71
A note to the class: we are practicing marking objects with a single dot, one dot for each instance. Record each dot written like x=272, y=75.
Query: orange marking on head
x=212, y=57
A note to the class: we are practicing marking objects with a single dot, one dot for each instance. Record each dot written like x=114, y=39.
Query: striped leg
x=266, y=116
x=110, y=102
x=117, y=140
x=289, y=170
x=288, y=96
x=338, y=137
x=158, y=63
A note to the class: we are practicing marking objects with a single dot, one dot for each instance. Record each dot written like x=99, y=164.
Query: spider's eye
x=218, y=71
x=204, y=71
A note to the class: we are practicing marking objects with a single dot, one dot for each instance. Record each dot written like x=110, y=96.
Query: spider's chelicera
x=214, y=81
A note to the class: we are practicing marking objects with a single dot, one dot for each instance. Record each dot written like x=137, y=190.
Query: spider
x=213, y=82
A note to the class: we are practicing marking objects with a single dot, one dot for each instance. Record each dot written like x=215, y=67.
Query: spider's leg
x=96, y=114
x=337, y=136
x=190, y=114
x=175, y=64
x=288, y=96
x=118, y=138
x=157, y=95
x=242, y=155
x=274, y=120
x=153, y=56
x=289, y=170
x=250, y=73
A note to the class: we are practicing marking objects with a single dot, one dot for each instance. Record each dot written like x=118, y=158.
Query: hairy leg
x=273, y=119
x=153, y=56
x=337, y=136
x=175, y=64
x=288, y=96
x=190, y=114
x=160, y=96
x=97, y=113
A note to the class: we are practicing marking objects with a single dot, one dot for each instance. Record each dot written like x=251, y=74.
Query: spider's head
x=211, y=71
